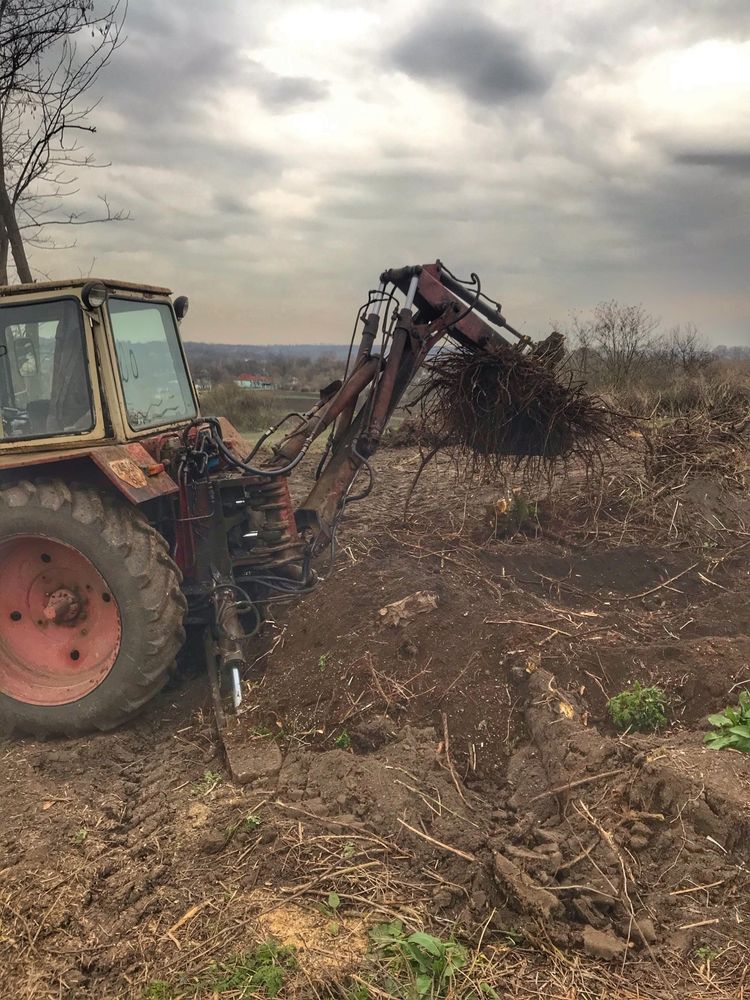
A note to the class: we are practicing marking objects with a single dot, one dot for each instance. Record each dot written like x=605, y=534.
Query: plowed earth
x=449, y=762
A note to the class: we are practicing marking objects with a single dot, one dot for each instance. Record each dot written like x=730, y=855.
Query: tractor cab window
x=154, y=377
x=44, y=384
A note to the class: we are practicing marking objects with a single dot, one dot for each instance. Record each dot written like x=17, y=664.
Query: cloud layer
x=276, y=157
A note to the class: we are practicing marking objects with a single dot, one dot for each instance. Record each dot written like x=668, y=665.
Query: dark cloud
x=230, y=204
x=279, y=93
x=175, y=58
x=260, y=146
x=468, y=50
x=734, y=161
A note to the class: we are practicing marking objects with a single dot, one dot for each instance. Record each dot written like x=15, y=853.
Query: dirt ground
x=447, y=761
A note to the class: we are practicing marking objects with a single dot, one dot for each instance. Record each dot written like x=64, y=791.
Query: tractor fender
x=127, y=467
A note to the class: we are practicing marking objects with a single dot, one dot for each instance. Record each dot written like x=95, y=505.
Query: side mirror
x=181, y=307
x=26, y=360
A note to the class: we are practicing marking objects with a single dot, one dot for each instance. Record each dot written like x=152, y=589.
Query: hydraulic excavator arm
x=404, y=319
x=436, y=305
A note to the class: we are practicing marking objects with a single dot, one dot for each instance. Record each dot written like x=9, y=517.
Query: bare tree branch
x=51, y=53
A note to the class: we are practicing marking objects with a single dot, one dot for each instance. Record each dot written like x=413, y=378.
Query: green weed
x=706, y=954
x=323, y=661
x=247, y=824
x=158, y=989
x=358, y=993
x=639, y=708
x=331, y=905
x=207, y=783
x=343, y=741
x=260, y=972
x=731, y=727
x=416, y=965
x=80, y=836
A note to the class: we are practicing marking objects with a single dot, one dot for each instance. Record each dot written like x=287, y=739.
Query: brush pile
x=502, y=404
x=700, y=447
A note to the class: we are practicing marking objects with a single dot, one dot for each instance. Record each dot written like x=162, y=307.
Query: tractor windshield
x=154, y=376
x=44, y=384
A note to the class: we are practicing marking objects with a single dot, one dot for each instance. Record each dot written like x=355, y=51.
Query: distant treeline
x=611, y=347
x=294, y=366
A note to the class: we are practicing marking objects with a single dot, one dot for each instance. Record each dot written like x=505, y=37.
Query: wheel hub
x=63, y=607
x=60, y=625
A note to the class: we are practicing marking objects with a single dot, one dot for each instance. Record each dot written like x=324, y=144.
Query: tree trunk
x=4, y=245
x=14, y=237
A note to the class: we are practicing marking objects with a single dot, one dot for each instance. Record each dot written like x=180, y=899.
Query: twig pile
x=502, y=404
x=700, y=447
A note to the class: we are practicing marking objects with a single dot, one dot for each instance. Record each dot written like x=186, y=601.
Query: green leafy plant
x=731, y=727
x=639, y=708
x=80, y=836
x=207, y=783
x=247, y=824
x=514, y=937
x=323, y=661
x=357, y=992
x=158, y=989
x=706, y=954
x=417, y=965
x=260, y=972
x=343, y=741
x=331, y=905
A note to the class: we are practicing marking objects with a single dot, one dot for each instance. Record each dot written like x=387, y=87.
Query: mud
x=455, y=768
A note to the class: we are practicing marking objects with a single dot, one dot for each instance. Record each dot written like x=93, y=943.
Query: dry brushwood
x=700, y=446
x=505, y=407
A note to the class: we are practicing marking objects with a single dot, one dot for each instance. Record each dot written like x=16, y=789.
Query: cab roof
x=51, y=286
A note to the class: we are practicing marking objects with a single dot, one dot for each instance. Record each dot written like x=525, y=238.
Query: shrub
x=247, y=409
x=638, y=708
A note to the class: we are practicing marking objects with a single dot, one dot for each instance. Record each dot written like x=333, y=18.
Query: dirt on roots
x=429, y=741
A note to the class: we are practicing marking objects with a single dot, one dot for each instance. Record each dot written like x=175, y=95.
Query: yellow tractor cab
x=67, y=349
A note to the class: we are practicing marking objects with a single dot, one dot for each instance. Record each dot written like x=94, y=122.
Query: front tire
x=91, y=611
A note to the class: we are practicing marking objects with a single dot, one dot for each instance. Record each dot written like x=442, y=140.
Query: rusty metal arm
x=302, y=437
x=468, y=318
x=437, y=305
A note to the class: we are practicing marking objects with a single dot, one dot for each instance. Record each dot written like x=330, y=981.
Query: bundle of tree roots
x=502, y=405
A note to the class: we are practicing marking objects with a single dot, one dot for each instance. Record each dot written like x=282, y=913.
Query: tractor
x=127, y=516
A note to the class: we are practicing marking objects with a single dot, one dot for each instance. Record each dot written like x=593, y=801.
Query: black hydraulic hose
x=244, y=466
x=243, y=607
x=368, y=489
x=472, y=305
x=272, y=430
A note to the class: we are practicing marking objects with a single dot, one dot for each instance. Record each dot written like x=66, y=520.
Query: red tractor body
x=126, y=515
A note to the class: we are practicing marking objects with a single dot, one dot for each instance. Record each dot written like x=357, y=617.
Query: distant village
x=245, y=380
x=290, y=368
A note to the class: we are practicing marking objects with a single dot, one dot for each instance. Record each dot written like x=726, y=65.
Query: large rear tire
x=91, y=611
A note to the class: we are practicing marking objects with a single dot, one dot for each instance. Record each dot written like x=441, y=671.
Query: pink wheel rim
x=60, y=626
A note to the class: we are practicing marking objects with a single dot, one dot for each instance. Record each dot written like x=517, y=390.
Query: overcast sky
x=277, y=156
